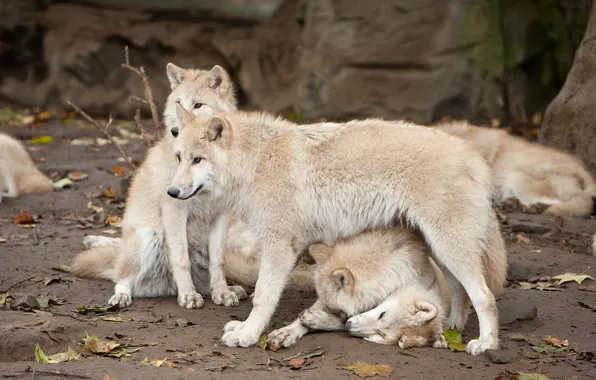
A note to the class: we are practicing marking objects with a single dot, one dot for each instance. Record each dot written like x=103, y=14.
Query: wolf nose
x=173, y=192
x=348, y=325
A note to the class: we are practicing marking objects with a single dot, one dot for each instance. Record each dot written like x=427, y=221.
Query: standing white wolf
x=539, y=177
x=294, y=188
x=165, y=241
x=18, y=173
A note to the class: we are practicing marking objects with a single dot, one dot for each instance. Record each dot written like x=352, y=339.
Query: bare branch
x=104, y=130
x=137, y=99
x=148, y=92
x=147, y=138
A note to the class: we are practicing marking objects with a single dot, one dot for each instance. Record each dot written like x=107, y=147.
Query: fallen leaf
x=95, y=309
x=363, y=369
x=44, y=115
x=110, y=232
x=94, y=149
x=296, y=363
x=109, y=193
x=41, y=140
x=541, y=285
x=60, y=357
x=91, y=206
x=116, y=319
x=556, y=342
x=114, y=221
x=264, y=345
x=532, y=376
x=23, y=218
x=77, y=176
x=104, y=347
x=454, y=340
x=63, y=183
x=522, y=239
x=158, y=362
x=568, y=277
x=62, y=268
x=316, y=352
x=5, y=299
x=46, y=301
x=118, y=170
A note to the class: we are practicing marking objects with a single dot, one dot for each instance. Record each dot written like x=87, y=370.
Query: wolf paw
x=232, y=326
x=284, y=337
x=239, y=337
x=478, y=346
x=121, y=300
x=314, y=319
x=441, y=342
x=230, y=296
x=190, y=300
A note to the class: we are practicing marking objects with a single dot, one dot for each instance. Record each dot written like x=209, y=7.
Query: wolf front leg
x=314, y=318
x=221, y=293
x=175, y=218
x=277, y=261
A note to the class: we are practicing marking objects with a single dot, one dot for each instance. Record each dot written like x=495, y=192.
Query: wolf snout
x=173, y=192
x=348, y=325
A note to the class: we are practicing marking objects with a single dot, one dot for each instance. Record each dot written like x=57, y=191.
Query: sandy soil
x=551, y=247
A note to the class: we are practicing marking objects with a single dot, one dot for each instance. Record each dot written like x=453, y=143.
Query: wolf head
x=201, y=145
x=406, y=318
x=200, y=92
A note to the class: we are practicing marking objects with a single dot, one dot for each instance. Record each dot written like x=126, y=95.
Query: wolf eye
x=197, y=105
x=196, y=160
x=381, y=315
x=178, y=157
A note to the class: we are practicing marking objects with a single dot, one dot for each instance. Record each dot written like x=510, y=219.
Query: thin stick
x=148, y=138
x=30, y=370
x=148, y=92
x=137, y=99
x=104, y=130
x=18, y=283
x=35, y=237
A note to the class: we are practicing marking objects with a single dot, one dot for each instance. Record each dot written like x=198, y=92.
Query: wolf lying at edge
x=296, y=187
x=539, y=177
x=18, y=173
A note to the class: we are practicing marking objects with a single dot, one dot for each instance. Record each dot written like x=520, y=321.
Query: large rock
x=570, y=120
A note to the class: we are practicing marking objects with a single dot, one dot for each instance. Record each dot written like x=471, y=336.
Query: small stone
x=529, y=228
x=502, y=356
x=27, y=302
x=521, y=313
x=518, y=272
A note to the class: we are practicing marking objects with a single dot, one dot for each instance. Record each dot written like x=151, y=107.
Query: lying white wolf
x=18, y=173
x=387, y=275
x=296, y=187
x=539, y=177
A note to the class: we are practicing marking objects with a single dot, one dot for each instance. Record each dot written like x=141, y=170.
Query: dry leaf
x=454, y=340
x=104, y=347
x=23, y=218
x=77, y=176
x=363, y=369
x=62, y=268
x=118, y=170
x=109, y=232
x=41, y=140
x=44, y=115
x=158, y=362
x=296, y=363
x=114, y=221
x=60, y=357
x=556, y=342
x=97, y=210
x=568, y=277
x=109, y=193
x=522, y=239
x=94, y=149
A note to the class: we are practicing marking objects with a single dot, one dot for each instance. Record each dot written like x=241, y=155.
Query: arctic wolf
x=387, y=275
x=18, y=173
x=295, y=187
x=537, y=176
x=164, y=247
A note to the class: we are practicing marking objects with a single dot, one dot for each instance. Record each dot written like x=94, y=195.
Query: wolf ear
x=319, y=253
x=425, y=312
x=344, y=279
x=175, y=75
x=219, y=129
x=219, y=81
x=184, y=116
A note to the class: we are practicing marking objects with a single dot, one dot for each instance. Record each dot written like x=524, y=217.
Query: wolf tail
x=34, y=183
x=583, y=204
x=98, y=262
x=495, y=260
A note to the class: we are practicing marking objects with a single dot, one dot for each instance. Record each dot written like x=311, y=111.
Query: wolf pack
x=391, y=223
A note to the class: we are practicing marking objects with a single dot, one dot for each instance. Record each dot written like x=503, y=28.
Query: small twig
x=147, y=138
x=30, y=370
x=148, y=92
x=104, y=130
x=14, y=285
x=91, y=321
x=35, y=237
x=137, y=99
x=401, y=352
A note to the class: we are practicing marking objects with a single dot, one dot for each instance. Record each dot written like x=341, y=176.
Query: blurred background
x=422, y=60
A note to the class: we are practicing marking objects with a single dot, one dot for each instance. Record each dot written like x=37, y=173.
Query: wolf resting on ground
x=538, y=177
x=18, y=173
x=295, y=187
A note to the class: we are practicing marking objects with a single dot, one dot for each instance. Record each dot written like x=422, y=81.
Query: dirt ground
x=548, y=247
